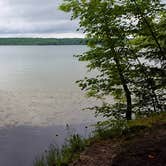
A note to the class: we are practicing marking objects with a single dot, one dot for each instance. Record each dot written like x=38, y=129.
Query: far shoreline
x=41, y=41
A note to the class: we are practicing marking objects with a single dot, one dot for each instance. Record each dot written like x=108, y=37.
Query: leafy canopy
x=128, y=50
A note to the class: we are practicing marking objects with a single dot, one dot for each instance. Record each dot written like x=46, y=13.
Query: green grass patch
x=118, y=128
x=62, y=156
x=149, y=121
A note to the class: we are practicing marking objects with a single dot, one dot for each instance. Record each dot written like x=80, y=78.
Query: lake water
x=38, y=97
x=40, y=67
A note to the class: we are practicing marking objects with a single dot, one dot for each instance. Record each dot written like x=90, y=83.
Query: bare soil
x=148, y=148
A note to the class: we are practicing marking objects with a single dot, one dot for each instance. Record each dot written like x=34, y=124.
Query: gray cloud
x=23, y=17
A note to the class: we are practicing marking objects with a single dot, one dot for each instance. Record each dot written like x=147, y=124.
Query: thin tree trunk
x=129, y=104
x=122, y=78
x=125, y=86
x=127, y=91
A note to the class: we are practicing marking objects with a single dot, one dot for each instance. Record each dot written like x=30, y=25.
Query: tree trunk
x=129, y=104
x=125, y=87
x=122, y=78
x=128, y=96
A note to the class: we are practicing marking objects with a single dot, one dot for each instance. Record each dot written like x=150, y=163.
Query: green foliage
x=149, y=121
x=42, y=41
x=119, y=128
x=62, y=156
x=110, y=128
x=76, y=143
x=130, y=58
x=40, y=162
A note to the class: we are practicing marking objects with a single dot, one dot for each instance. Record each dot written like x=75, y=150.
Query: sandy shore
x=43, y=108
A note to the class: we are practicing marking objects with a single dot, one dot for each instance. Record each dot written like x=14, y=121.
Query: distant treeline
x=42, y=41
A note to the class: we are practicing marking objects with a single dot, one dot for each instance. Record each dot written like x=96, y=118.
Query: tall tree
x=149, y=45
x=115, y=26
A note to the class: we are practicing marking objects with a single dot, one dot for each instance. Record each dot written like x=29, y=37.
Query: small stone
x=151, y=156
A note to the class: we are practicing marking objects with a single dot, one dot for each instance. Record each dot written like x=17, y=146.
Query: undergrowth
x=118, y=128
x=62, y=156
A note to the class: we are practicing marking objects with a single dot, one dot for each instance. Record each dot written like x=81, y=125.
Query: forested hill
x=42, y=41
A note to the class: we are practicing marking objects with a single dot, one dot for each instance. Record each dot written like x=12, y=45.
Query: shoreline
x=20, y=145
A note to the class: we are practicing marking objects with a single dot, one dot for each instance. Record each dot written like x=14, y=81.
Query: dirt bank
x=146, y=148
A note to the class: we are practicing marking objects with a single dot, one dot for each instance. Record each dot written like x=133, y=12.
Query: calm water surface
x=40, y=67
x=38, y=96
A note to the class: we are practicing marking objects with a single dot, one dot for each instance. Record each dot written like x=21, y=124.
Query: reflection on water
x=20, y=145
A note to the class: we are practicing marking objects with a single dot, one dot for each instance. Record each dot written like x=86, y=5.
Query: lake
x=38, y=97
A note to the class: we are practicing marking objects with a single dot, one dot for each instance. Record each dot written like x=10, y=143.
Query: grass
x=61, y=157
x=118, y=128
x=149, y=121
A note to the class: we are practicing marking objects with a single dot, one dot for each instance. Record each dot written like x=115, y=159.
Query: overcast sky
x=35, y=18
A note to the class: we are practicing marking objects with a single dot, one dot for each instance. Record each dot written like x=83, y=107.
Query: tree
x=149, y=44
x=114, y=27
